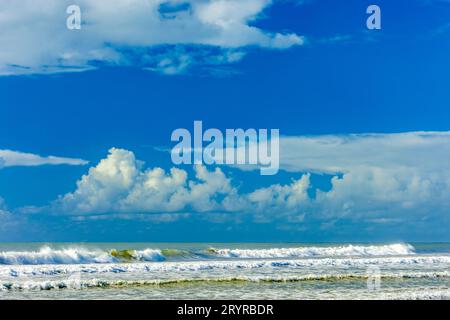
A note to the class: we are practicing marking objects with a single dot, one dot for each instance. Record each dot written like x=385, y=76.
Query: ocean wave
x=421, y=261
x=303, y=252
x=103, y=283
x=47, y=255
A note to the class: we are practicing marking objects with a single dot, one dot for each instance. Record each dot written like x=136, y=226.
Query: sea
x=256, y=271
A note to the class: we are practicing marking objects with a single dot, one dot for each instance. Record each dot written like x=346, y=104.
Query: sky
x=86, y=118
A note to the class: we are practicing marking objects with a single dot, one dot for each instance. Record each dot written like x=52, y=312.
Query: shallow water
x=224, y=271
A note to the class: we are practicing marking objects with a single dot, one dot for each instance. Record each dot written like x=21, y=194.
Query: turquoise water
x=224, y=271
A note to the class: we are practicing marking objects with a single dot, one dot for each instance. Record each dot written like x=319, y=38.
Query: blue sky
x=310, y=68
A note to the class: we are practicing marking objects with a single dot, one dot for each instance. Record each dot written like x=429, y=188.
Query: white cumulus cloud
x=378, y=177
x=35, y=39
x=120, y=183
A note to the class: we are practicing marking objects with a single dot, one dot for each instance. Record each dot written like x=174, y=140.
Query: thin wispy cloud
x=9, y=158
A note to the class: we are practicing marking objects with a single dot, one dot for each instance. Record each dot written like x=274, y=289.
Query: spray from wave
x=306, y=252
x=47, y=255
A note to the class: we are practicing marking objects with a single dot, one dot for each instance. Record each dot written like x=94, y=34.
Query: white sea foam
x=105, y=283
x=422, y=261
x=333, y=251
x=425, y=295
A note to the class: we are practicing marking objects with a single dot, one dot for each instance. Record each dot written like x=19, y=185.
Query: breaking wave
x=47, y=255
x=303, y=252
x=195, y=266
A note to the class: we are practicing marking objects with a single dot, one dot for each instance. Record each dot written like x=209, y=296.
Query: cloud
x=372, y=177
x=9, y=158
x=179, y=59
x=373, y=174
x=336, y=39
x=425, y=152
x=129, y=32
x=119, y=183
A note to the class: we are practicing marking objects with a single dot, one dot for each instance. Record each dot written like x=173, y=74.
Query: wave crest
x=306, y=252
x=47, y=255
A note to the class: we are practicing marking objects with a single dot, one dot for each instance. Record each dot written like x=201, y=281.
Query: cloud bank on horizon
x=161, y=35
x=378, y=177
